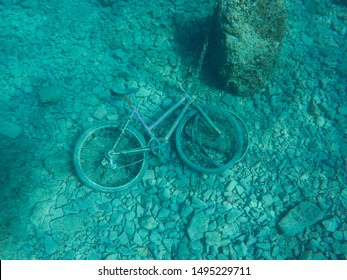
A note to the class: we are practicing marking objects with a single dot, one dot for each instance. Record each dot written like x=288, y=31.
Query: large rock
x=246, y=41
x=300, y=217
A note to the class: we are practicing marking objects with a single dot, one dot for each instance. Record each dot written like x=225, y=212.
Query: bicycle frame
x=150, y=128
x=185, y=101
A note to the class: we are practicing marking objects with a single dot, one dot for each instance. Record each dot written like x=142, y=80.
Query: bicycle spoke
x=203, y=148
x=104, y=169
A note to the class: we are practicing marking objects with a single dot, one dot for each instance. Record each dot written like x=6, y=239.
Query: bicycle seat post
x=127, y=98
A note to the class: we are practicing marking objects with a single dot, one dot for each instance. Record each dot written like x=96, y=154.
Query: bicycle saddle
x=123, y=91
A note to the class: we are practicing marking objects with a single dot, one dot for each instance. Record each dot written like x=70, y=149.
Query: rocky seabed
x=287, y=199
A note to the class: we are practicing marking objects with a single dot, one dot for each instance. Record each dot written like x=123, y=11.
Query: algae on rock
x=246, y=41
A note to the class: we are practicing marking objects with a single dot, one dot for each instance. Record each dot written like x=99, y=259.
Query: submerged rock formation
x=246, y=42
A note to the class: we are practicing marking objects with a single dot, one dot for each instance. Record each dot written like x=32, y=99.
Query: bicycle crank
x=160, y=147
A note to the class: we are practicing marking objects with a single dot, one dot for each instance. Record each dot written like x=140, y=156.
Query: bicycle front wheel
x=106, y=168
x=206, y=150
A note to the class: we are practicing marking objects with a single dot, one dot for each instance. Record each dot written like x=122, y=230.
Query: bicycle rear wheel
x=203, y=149
x=105, y=169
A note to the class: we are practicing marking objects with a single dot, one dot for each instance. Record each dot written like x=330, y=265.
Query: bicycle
x=112, y=157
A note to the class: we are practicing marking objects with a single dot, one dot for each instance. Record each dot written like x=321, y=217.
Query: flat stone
x=338, y=235
x=300, y=217
x=137, y=239
x=331, y=224
x=148, y=222
x=100, y=113
x=267, y=199
x=9, y=129
x=164, y=194
x=186, y=210
x=232, y=231
x=240, y=190
x=240, y=248
x=183, y=251
x=113, y=235
x=71, y=223
x=50, y=245
x=123, y=238
x=155, y=237
x=340, y=248
x=129, y=228
x=130, y=215
x=198, y=226
x=167, y=242
x=233, y=215
x=198, y=203
x=163, y=213
x=213, y=238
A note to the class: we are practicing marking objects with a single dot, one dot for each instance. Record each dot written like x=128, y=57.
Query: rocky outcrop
x=246, y=42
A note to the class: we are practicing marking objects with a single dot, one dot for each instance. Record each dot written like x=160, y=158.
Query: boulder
x=246, y=41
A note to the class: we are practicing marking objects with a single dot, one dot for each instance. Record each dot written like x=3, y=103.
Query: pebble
x=155, y=237
x=320, y=121
x=113, y=235
x=123, y=238
x=196, y=246
x=233, y=215
x=50, y=245
x=116, y=218
x=10, y=129
x=340, y=248
x=198, y=203
x=212, y=226
x=213, y=238
x=129, y=228
x=100, y=113
x=164, y=194
x=262, y=219
x=267, y=200
x=167, y=242
x=338, y=235
x=241, y=249
x=148, y=222
x=186, y=210
x=232, y=231
x=163, y=213
x=130, y=215
x=240, y=190
x=197, y=226
x=331, y=224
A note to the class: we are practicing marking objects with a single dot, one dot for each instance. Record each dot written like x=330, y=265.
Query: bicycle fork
x=112, y=153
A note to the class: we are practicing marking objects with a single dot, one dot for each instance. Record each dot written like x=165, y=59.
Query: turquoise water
x=286, y=199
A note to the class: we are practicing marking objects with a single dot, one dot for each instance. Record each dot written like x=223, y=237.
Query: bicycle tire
x=91, y=152
x=203, y=149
